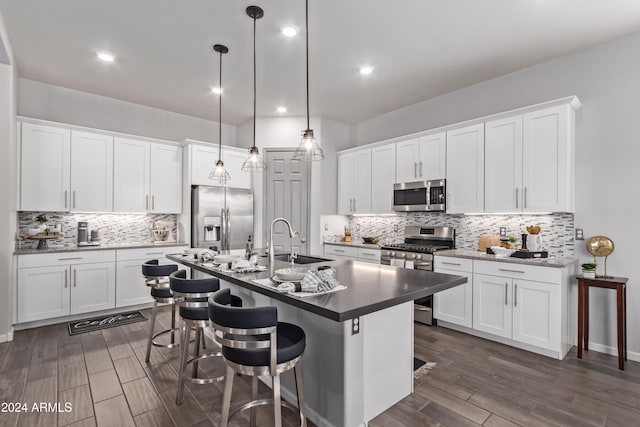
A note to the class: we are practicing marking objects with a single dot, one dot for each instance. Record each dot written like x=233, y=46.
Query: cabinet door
x=455, y=305
x=130, y=287
x=548, y=164
x=432, y=163
x=233, y=160
x=465, y=170
x=536, y=313
x=43, y=293
x=165, y=181
x=345, y=184
x=362, y=181
x=492, y=311
x=91, y=172
x=44, y=169
x=131, y=175
x=93, y=287
x=407, y=153
x=203, y=160
x=503, y=165
x=383, y=176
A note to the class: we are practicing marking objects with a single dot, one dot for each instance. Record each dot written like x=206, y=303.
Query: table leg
x=624, y=297
x=620, y=327
x=585, y=302
x=580, y=317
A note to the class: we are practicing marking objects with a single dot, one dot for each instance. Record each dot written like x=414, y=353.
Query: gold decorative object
x=600, y=246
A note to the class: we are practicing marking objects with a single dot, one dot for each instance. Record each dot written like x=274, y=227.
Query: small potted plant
x=589, y=270
x=512, y=241
x=42, y=219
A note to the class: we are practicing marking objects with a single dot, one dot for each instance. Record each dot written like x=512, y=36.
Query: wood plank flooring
x=475, y=382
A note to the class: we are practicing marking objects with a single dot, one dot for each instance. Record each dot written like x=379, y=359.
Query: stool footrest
x=167, y=345
x=263, y=402
x=195, y=380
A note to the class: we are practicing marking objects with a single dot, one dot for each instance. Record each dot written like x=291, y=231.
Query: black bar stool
x=254, y=343
x=191, y=297
x=156, y=276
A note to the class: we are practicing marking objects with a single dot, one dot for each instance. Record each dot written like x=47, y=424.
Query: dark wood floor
x=475, y=382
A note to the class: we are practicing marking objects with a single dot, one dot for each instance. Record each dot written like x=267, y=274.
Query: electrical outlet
x=355, y=326
x=503, y=231
x=579, y=234
x=395, y=228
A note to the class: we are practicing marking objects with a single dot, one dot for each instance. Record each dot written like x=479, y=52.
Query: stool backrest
x=192, y=292
x=244, y=327
x=156, y=274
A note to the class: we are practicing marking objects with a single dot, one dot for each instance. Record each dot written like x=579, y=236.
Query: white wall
x=8, y=187
x=59, y=104
x=605, y=78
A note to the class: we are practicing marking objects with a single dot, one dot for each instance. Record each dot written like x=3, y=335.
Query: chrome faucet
x=292, y=233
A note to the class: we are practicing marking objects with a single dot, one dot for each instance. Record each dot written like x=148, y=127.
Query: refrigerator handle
x=223, y=230
x=228, y=216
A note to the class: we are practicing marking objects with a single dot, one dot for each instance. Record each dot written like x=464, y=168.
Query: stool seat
x=161, y=293
x=291, y=343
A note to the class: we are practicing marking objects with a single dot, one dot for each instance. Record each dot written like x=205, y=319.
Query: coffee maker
x=83, y=235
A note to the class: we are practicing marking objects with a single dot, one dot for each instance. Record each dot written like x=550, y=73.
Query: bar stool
x=254, y=343
x=191, y=297
x=156, y=276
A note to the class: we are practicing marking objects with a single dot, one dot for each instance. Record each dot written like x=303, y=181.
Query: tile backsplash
x=112, y=228
x=557, y=229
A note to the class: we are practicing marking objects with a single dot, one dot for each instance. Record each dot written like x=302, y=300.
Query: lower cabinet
x=353, y=253
x=43, y=292
x=455, y=305
x=93, y=287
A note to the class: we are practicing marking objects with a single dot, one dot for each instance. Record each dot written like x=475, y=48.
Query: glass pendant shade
x=254, y=162
x=220, y=173
x=308, y=150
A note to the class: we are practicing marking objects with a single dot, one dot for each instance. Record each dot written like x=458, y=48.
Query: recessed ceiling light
x=289, y=31
x=216, y=90
x=282, y=109
x=106, y=56
x=366, y=70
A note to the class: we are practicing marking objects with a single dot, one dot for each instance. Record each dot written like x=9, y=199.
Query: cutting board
x=487, y=241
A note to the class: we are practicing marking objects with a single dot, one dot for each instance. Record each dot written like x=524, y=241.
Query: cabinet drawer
x=519, y=271
x=372, y=255
x=148, y=253
x=450, y=263
x=60, y=258
x=341, y=250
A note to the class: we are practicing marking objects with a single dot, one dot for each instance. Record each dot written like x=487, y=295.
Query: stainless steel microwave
x=420, y=196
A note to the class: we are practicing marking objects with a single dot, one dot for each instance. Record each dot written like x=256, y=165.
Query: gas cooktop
x=408, y=247
x=426, y=240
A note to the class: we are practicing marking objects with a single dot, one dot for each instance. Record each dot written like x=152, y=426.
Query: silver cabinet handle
x=74, y=199
x=338, y=250
x=368, y=253
x=451, y=263
x=146, y=202
x=415, y=169
x=515, y=295
x=506, y=290
x=153, y=202
x=67, y=259
x=525, y=197
x=75, y=277
x=511, y=271
x=420, y=168
x=517, y=197
x=66, y=195
x=354, y=204
x=350, y=204
x=154, y=253
x=66, y=273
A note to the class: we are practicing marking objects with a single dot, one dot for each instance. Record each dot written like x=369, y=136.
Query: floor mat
x=95, y=323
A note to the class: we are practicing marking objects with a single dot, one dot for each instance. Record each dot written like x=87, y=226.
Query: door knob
x=303, y=240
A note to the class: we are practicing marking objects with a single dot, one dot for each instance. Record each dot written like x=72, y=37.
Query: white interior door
x=287, y=196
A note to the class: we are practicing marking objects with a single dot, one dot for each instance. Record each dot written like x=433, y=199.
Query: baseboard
x=613, y=351
x=8, y=336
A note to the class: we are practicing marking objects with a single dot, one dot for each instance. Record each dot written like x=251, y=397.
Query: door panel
x=455, y=305
x=492, y=310
x=536, y=313
x=131, y=175
x=91, y=172
x=93, y=287
x=43, y=293
x=503, y=165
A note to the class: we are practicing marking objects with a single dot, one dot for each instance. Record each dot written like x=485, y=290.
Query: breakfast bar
x=359, y=356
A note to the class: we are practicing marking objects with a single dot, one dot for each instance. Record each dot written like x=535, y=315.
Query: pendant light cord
x=220, y=114
x=307, y=54
x=254, y=82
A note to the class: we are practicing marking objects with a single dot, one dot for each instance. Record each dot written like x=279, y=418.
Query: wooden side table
x=620, y=285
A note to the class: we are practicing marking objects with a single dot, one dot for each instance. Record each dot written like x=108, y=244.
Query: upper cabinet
x=503, y=165
x=354, y=182
x=383, y=174
x=147, y=176
x=204, y=158
x=421, y=159
x=465, y=169
x=65, y=170
x=233, y=160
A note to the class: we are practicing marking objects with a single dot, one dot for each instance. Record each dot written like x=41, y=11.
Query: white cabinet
x=353, y=253
x=465, y=169
x=233, y=160
x=45, y=171
x=492, y=305
x=369, y=255
x=548, y=164
x=383, y=175
x=147, y=176
x=91, y=172
x=354, y=182
x=455, y=305
x=421, y=159
x=204, y=157
x=54, y=285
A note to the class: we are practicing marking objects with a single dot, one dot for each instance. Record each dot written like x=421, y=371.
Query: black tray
x=522, y=254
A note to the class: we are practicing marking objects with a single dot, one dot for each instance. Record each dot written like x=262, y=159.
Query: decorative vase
x=589, y=274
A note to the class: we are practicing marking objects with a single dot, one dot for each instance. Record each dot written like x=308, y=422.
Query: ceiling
x=418, y=48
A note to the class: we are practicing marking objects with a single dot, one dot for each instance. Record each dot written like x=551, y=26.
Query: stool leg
x=226, y=398
x=184, y=354
x=173, y=322
x=254, y=396
x=153, y=325
x=194, y=373
x=619, y=298
x=277, y=409
x=297, y=370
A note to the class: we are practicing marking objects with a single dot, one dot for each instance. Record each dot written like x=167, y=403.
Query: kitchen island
x=359, y=356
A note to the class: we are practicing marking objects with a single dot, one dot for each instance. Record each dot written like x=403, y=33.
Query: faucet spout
x=291, y=235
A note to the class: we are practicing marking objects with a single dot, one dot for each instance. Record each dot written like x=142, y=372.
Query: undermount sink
x=301, y=259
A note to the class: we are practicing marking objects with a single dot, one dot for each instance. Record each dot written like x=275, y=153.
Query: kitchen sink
x=301, y=259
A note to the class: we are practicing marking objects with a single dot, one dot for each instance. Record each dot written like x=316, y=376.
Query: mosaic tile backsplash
x=557, y=229
x=112, y=228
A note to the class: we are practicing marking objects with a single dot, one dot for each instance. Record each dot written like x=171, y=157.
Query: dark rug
x=421, y=368
x=417, y=363
x=103, y=322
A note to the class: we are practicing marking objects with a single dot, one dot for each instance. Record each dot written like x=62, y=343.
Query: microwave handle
x=415, y=169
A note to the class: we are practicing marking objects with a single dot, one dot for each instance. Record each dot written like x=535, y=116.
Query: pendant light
x=308, y=150
x=219, y=172
x=254, y=162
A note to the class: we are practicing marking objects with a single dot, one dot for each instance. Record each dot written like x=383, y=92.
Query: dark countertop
x=370, y=287
x=124, y=245
x=558, y=262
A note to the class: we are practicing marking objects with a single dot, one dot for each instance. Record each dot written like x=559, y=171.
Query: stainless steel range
x=417, y=252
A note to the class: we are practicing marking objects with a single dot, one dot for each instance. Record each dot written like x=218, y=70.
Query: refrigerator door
x=207, y=225
x=239, y=215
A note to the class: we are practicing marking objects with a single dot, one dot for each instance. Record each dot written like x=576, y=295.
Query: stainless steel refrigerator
x=221, y=217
